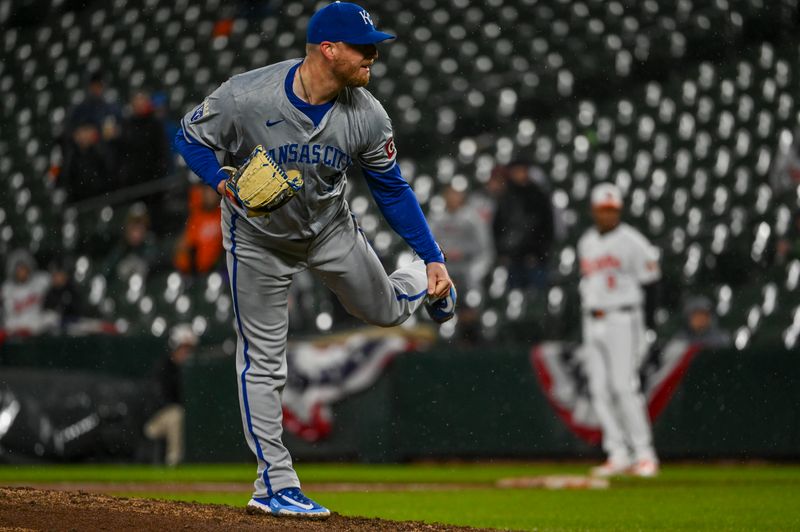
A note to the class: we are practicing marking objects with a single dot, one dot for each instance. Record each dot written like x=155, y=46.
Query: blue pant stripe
x=400, y=297
x=245, y=401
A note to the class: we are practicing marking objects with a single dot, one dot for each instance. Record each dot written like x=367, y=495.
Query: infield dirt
x=23, y=509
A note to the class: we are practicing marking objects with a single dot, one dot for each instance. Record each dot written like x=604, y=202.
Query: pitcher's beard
x=349, y=77
x=358, y=80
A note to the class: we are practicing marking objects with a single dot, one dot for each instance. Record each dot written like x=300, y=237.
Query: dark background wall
x=438, y=404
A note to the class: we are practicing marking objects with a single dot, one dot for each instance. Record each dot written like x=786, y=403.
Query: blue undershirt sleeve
x=400, y=207
x=200, y=158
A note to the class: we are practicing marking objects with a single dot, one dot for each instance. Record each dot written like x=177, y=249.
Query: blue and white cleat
x=443, y=309
x=289, y=502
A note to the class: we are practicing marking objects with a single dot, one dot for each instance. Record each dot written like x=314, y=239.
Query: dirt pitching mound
x=23, y=509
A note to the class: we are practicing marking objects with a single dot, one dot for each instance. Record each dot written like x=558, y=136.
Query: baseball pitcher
x=287, y=134
x=619, y=271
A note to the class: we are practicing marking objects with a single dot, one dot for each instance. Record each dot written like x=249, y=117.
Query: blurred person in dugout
x=144, y=151
x=618, y=288
x=168, y=423
x=161, y=111
x=484, y=201
x=63, y=297
x=90, y=143
x=466, y=240
x=200, y=246
x=523, y=227
x=96, y=109
x=701, y=326
x=137, y=251
x=784, y=175
x=24, y=291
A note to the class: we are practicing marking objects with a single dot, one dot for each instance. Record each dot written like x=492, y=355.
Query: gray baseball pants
x=261, y=269
x=613, y=348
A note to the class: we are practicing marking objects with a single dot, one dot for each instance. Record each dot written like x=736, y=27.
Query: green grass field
x=684, y=497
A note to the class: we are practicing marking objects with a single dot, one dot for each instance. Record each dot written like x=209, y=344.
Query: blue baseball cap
x=345, y=22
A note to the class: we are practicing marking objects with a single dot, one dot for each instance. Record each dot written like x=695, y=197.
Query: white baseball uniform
x=614, y=266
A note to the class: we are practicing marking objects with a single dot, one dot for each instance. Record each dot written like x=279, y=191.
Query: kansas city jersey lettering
x=314, y=154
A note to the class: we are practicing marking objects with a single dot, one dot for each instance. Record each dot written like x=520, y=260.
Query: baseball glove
x=260, y=185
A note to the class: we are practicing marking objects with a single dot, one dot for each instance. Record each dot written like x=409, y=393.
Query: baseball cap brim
x=372, y=37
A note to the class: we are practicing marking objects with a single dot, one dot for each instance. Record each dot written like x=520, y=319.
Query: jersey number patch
x=611, y=281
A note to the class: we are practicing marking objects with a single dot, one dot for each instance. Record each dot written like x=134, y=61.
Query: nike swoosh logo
x=297, y=503
x=270, y=124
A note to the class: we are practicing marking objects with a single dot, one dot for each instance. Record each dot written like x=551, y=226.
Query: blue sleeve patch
x=201, y=110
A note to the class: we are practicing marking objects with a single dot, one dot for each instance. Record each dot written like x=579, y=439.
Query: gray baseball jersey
x=252, y=108
x=314, y=231
x=614, y=265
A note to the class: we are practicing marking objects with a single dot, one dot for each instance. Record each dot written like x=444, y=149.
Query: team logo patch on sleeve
x=389, y=148
x=201, y=110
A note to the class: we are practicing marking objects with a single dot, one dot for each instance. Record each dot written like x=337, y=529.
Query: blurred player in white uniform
x=619, y=273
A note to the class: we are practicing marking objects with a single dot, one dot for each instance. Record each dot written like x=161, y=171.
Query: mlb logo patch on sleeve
x=201, y=110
